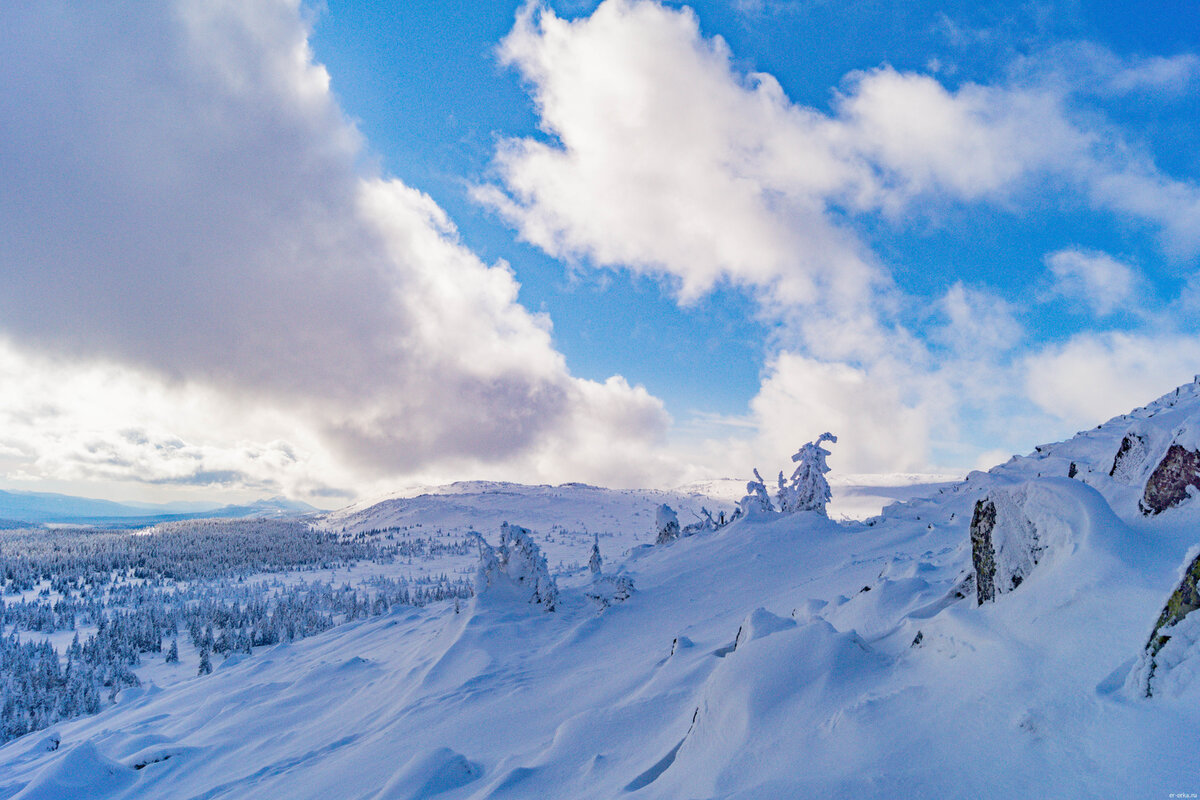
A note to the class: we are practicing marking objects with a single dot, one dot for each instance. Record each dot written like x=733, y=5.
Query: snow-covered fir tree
x=807, y=490
x=205, y=663
x=173, y=653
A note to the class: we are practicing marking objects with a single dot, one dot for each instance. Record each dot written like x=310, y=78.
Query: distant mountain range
x=18, y=509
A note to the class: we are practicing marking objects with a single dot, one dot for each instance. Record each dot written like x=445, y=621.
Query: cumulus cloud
x=801, y=397
x=184, y=199
x=660, y=156
x=203, y=280
x=1098, y=376
x=663, y=159
x=1098, y=280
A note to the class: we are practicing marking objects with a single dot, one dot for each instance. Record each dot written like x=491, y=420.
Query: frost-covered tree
x=523, y=562
x=173, y=653
x=666, y=523
x=517, y=562
x=807, y=490
x=488, y=570
x=595, y=563
x=756, y=500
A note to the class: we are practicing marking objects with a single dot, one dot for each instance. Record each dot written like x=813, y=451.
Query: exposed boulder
x=1171, y=482
x=1004, y=545
x=1175, y=633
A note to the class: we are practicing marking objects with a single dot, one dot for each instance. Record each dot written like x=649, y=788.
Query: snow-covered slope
x=777, y=657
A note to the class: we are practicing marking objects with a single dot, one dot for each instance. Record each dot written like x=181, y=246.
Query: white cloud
x=1098, y=280
x=1098, y=376
x=976, y=322
x=66, y=421
x=802, y=397
x=185, y=203
x=664, y=160
x=662, y=157
x=1086, y=67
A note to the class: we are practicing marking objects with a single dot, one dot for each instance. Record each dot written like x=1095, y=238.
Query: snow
x=778, y=656
x=80, y=770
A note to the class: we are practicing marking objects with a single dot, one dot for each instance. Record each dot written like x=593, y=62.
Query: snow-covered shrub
x=666, y=523
x=607, y=590
x=807, y=490
x=759, y=623
x=756, y=501
x=705, y=523
x=519, y=563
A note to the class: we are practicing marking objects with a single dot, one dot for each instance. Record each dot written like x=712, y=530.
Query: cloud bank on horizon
x=209, y=281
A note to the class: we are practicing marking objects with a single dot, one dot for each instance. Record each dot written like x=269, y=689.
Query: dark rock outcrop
x=983, y=554
x=1129, y=457
x=1169, y=483
x=1004, y=545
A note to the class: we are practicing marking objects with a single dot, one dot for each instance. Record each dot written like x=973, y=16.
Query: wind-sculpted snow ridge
x=775, y=657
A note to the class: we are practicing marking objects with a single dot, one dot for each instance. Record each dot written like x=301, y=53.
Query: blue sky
x=328, y=251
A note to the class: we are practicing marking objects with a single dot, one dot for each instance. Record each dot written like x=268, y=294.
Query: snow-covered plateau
x=1025, y=632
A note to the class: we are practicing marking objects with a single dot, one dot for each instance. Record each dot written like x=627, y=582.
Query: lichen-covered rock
x=1169, y=484
x=1174, y=622
x=1004, y=545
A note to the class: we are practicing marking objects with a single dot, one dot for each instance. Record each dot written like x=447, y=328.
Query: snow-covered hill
x=776, y=657
x=484, y=505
